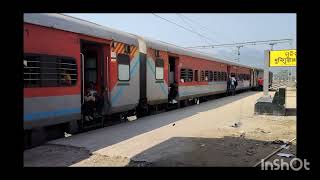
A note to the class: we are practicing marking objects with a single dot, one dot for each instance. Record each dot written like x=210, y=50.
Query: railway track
x=272, y=154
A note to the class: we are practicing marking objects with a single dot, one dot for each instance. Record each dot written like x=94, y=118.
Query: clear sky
x=218, y=28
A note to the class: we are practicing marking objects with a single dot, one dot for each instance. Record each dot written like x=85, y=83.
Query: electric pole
x=239, y=52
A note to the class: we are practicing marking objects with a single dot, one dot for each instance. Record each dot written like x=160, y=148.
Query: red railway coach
x=133, y=74
x=197, y=74
x=58, y=46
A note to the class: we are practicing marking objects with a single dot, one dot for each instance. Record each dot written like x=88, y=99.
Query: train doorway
x=172, y=83
x=92, y=67
x=92, y=71
x=171, y=68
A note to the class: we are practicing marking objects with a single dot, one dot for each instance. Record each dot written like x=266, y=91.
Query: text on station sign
x=283, y=58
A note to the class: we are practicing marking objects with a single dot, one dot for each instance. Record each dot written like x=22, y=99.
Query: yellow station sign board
x=283, y=58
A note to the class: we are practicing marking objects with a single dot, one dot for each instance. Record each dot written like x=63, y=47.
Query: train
x=132, y=73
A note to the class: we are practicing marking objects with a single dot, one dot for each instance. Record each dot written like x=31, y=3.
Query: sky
x=214, y=28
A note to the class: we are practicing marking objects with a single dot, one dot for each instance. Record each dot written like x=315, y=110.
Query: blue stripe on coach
x=47, y=114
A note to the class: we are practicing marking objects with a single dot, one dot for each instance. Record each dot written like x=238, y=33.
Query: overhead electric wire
x=199, y=25
x=207, y=30
x=244, y=43
x=185, y=22
x=183, y=27
x=203, y=27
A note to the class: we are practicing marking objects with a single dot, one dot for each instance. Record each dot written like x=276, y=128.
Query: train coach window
x=190, y=75
x=68, y=71
x=186, y=75
x=159, y=69
x=196, y=75
x=206, y=75
x=218, y=76
x=49, y=71
x=202, y=76
x=210, y=76
x=123, y=67
x=183, y=74
x=32, y=71
x=224, y=76
x=215, y=76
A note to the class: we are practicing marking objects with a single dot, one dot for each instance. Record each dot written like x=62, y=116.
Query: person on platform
x=233, y=85
x=260, y=84
x=228, y=85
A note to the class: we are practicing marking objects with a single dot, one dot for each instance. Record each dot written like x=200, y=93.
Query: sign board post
x=266, y=73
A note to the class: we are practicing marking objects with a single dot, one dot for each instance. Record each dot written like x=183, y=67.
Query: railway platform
x=198, y=135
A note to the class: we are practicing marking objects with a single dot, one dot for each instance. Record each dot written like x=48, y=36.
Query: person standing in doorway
x=233, y=85
x=173, y=92
x=228, y=85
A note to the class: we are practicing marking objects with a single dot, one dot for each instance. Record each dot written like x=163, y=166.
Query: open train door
x=172, y=75
x=93, y=69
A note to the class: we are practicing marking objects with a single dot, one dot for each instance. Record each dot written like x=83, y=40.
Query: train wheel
x=73, y=127
x=186, y=102
x=27, y=139
x=141, y=112
x=56, y=131
x=35, y=137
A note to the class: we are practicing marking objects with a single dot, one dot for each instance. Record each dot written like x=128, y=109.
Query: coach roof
x=68, y=23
